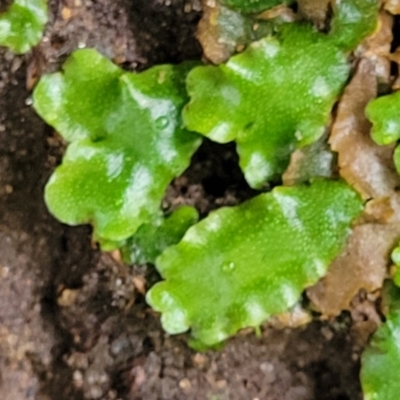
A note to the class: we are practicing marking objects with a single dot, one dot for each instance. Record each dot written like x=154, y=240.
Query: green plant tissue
x=381, y=360
x=270, y=99
x=22, y=24
x=127, y=141
x=242, y=264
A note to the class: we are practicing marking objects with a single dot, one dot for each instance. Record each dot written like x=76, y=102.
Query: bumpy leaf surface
x=152, y=239
x=381, y=360
x=354, y=21
x=395, y=256
x=384, y=113
x=274, y=96
x=242, y=264
x=252, y=6
x=127, y=138
x=21, y=26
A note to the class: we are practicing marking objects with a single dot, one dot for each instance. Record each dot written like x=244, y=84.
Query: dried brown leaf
x=223, y=31
x=281, y=12
x=377, y=48
x=208, y=34
x=369, y=168
x=365, y=317
x=363, y=265
x=35, y=69
x=393, y=6
x=382, y=210
x=314, y=10
x=395, y=56
x=293, y=318
x=365, y=165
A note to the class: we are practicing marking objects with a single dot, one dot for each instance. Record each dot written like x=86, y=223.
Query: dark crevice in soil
x=396, y=34
x=4, y=4
x=164, y=31
x=213, y=179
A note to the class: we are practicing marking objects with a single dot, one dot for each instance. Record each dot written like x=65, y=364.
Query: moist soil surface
x=73, y=321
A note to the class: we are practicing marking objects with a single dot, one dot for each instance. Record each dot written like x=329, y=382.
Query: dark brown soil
x=73, y=323
x=4, y=4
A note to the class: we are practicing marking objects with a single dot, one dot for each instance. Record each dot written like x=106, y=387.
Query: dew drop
x=228, y=267
x=162, y=122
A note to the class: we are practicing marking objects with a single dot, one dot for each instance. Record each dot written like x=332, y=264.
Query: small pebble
x=185, y=384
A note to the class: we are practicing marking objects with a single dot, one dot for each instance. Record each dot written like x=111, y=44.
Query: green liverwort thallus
x=22, y=24
x=242, y=264
x=127, y=142
x=278, y=94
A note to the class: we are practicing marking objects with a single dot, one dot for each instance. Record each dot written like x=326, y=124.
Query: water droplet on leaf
x=162, y=122
x=228, y=267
